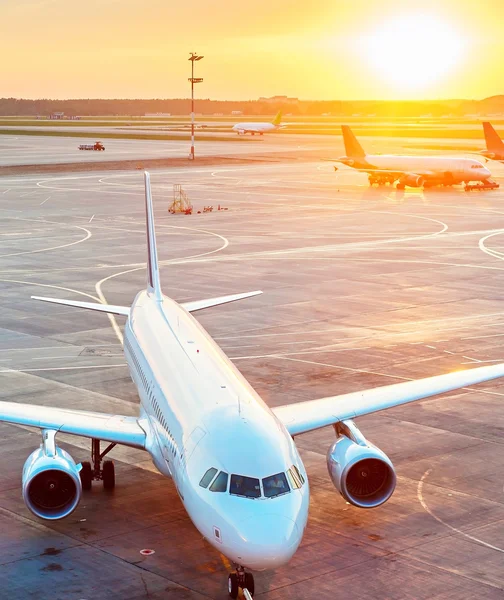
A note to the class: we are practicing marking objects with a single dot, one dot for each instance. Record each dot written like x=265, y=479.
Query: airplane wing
x=110, y=428
x=106, y=308
x=307, y=416
x=201, y=304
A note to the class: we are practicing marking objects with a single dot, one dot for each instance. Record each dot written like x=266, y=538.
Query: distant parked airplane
x=232, y=458
x=259, y=128
x=494, y=144
x=413, y=171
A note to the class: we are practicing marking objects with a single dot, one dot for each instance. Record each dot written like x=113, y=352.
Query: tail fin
x=277, y=119
x=493, y=141
x=352, y=147
x=153, y=285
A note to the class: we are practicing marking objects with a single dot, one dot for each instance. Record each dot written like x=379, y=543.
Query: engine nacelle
x=360, y=471
x=51, y=483
x=412, y=180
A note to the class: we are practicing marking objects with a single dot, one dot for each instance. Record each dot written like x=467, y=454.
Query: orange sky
x=322, y=49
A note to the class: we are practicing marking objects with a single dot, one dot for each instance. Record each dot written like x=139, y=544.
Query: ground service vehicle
x=95, y=146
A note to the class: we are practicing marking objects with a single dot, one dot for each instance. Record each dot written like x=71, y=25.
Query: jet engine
x=51, y=483
x=412, y=180
x=360, y=471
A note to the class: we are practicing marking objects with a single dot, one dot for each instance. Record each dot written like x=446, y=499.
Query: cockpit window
x=207, y=477
x=295, y=477
x=245, y=486
x=275, y=485
x=220, y=483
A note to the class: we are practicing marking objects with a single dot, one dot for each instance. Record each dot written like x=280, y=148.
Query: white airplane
x=413, y=171
x=233, y=460
x=260, y=128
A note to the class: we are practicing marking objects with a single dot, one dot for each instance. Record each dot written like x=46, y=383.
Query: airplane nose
x=267, y=541
x=486, y=172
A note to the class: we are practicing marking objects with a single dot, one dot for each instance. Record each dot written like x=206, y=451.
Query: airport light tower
x=194, y=57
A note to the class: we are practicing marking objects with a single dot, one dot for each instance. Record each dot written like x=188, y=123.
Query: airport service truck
x=95, y=146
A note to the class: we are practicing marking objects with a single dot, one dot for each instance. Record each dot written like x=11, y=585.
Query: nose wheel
x=241, y=579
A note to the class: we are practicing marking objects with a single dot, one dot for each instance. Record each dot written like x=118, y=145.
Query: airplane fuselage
x=202, y=415
x=439, y=169
x=252, y=128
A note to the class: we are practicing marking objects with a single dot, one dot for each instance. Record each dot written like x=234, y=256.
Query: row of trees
x=181, y=106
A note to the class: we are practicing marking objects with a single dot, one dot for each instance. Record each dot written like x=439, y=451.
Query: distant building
x=279, y=100
x=158, y=114
x=57, y=115
x=237, y=112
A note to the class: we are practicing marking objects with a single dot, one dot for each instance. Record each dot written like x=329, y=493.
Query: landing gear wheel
x=233, y=585
x=249, y=583
x=108, y=475
x=401, y=186
x=86, y=475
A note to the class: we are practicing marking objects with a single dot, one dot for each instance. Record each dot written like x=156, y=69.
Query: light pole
x=193, y=80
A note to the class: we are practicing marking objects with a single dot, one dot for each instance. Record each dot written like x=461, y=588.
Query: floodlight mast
x=194, y=57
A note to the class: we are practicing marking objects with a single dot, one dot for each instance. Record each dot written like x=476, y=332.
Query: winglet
x=352, y=147
x=153, y=284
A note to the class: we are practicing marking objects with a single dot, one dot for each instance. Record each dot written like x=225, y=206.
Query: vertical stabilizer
x=153, y=285
x=493, y=141
x=277, y=119
x=352, y=147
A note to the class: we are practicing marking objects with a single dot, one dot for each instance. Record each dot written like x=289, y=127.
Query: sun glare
x=414, y=51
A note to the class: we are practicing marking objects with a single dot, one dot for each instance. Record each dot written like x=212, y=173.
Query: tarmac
x=363, y=287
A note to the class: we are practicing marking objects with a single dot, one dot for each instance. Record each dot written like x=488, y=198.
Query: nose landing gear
x=241, y=579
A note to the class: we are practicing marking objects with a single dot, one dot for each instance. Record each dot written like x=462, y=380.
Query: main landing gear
x=95, y=471
x=241, y=579
x=381, y=179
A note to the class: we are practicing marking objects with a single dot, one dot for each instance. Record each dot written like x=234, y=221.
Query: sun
x=414, y=51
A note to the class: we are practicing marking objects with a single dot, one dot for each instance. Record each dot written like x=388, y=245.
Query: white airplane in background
x=413, y=171
x=260, y=128
x=233, y=460
x=494, y=144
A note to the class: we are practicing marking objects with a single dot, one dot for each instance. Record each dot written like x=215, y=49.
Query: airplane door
x=192, y=441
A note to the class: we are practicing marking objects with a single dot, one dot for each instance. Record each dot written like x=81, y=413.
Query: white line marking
x=91, y=219
x=89, y=234
x=432, y=347
x=44, y=201
x=439, y=520
x=60, y=368
x=479, y=337
x=98, y=286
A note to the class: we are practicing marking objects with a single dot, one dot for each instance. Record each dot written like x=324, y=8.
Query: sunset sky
x=322, y=49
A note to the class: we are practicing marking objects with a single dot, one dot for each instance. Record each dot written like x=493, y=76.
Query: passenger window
x=220, y=483
x=245, y=486
x=207, y=477
x=275, y=485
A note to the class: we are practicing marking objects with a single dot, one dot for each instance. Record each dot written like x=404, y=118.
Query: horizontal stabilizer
x=106, y=308
x=200, y=304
